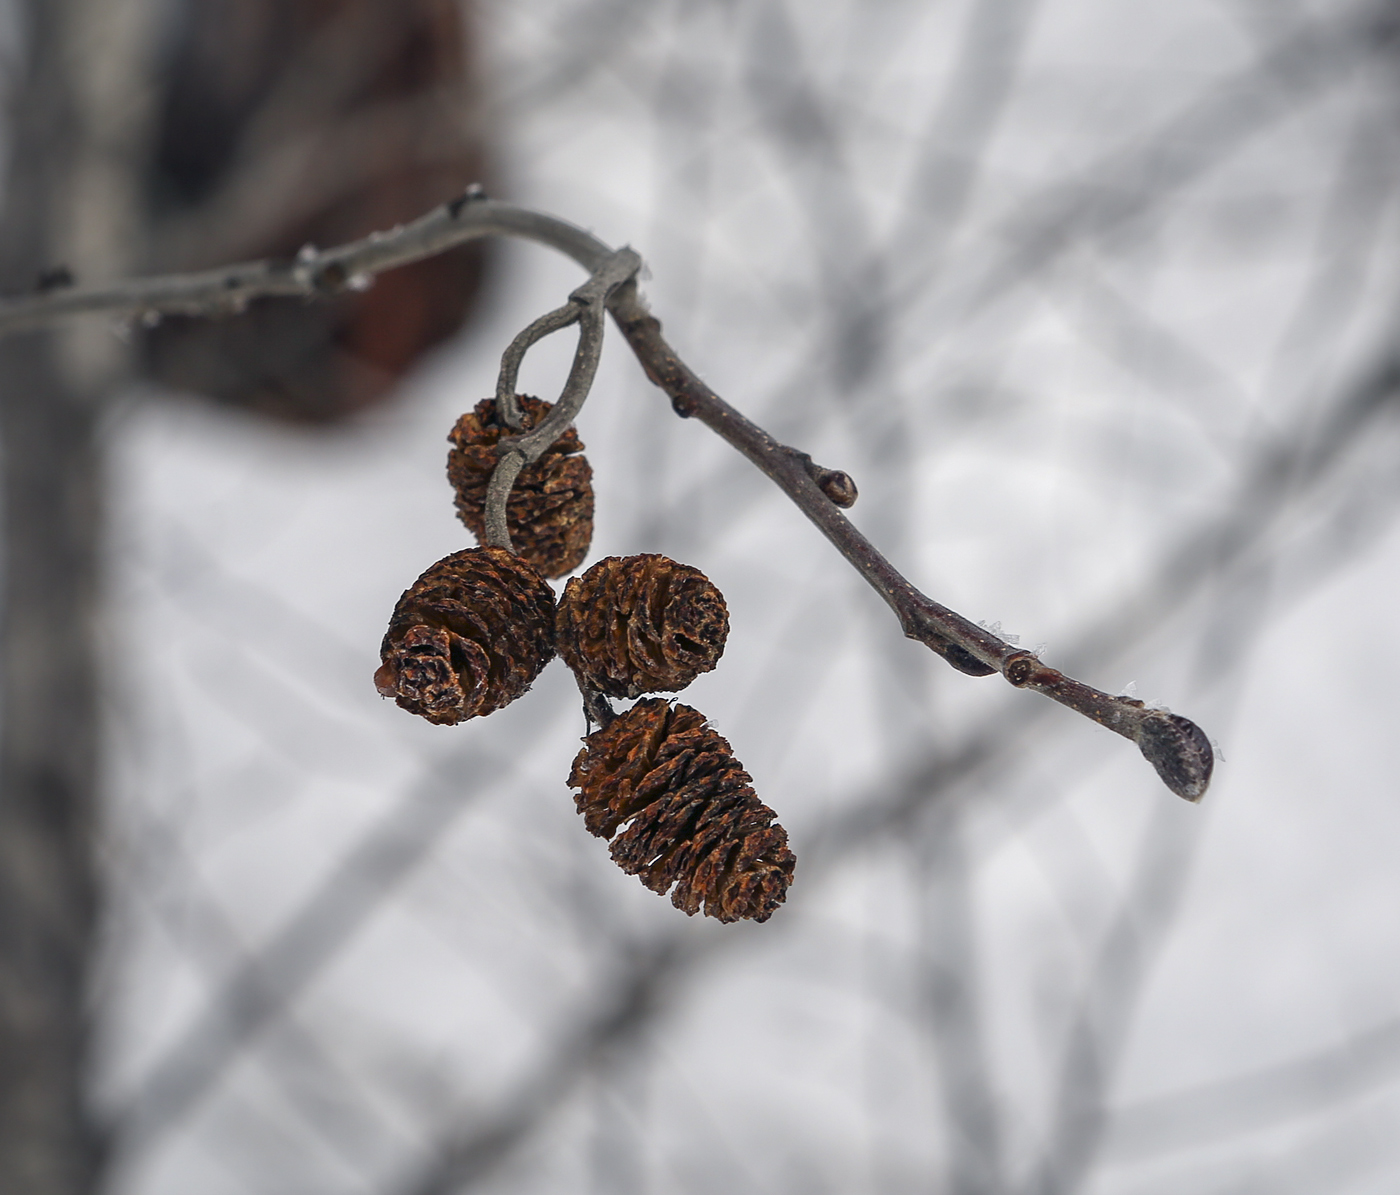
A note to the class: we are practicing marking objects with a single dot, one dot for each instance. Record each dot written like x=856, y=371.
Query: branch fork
x=1175, y=746
x=586, y=307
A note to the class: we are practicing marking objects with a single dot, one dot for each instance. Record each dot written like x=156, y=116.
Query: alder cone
x=469, y=636
x=641, y=624
x=550, y=510
x=692, y=817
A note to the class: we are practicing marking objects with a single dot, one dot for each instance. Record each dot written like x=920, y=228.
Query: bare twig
x=313, y=273
x=1176, y=747
x=585, y=308
x=590, y=298
x=497, y=491
x=507, y=405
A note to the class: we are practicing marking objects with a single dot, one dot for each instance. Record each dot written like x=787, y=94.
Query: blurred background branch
x=1098, y=306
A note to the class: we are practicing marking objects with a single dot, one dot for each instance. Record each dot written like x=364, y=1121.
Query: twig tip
x=1180, y=752
x=838, y=486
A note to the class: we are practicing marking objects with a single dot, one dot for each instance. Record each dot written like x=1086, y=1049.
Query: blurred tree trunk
x=48, y=737
x=88, y=110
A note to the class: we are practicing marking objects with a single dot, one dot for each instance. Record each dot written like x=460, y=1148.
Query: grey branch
x=313, y=273
x=585, y=308
x=1175, y=746
x=507, y=404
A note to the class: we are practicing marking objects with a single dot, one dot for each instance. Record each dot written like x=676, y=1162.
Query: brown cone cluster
x=690, y=814
x=550, y=511
x=468, y=637
x=475, y=630
x=641, y=624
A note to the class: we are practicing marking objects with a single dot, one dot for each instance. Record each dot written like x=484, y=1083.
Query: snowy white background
x=1083, y=294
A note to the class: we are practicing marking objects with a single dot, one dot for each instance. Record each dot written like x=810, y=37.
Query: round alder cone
x=641, y=624
x=550, y=509
x=469, y=636
x=692, y=817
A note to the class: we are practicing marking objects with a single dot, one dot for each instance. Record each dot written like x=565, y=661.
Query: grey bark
x=48, y=730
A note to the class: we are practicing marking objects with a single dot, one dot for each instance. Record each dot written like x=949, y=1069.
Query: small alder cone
x=550, y=510
x=469, y=636
x=692, y=818
x=641, y=624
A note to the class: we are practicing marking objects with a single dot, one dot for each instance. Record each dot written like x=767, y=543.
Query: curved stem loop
x=586, y=307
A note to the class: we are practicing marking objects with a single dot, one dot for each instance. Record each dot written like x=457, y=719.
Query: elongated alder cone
x=641, y=624
x=550, y=511
x=692, y=818
x=469, y=636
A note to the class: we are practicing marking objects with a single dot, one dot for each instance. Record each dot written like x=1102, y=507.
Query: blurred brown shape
x=292, y=122
x=550, y=509
x=468, y=637
x=695, y=820
x=641, y=624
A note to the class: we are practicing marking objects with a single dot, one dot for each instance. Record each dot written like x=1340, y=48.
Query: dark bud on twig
x=550, y=510
x=692, y=818
x=469, y=636
x=641, y=624
x=1180, y=752
x=839, y=487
